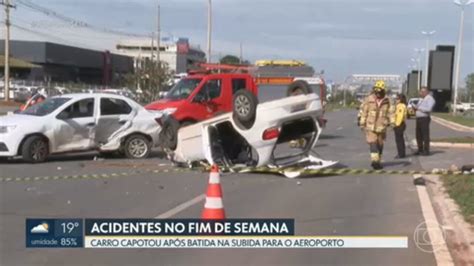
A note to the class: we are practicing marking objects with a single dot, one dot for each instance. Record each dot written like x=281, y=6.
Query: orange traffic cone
x=214, y=208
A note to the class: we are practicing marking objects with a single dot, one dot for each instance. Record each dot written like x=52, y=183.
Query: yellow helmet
x=379, y=85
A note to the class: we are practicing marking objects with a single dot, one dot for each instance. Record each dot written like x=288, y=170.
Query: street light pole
x=418, y=62
x=209, y=30
x=463, y=4
x=428, y=35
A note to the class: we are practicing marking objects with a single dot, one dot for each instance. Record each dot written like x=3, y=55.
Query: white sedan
x=79, y=122
x=279, y=133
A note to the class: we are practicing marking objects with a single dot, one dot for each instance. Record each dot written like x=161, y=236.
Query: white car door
x=115, y=115
x=75, y=126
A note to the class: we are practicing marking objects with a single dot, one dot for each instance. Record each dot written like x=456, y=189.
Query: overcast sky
x=342, y=37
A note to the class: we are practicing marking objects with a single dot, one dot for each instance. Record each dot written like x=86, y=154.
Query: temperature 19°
x=69, y=227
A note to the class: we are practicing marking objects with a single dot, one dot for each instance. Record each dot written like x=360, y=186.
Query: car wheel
x=35, y=149
x=245, y=107
x=137, y=147
x=298, y=87
x=169, y=133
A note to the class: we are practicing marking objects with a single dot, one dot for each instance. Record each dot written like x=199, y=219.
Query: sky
x=341, y=37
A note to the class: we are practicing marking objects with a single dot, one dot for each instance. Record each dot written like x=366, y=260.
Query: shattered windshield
x=46, y=107
x=183, y=89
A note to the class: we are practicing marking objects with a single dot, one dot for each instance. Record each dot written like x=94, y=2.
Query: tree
x=470, y=86
x=149, y=78
x=230, y=60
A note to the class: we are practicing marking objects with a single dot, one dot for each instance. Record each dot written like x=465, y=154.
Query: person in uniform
x=400, y=126
x=375, y=117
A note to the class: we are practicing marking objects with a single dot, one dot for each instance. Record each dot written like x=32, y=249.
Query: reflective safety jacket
x=376, y=115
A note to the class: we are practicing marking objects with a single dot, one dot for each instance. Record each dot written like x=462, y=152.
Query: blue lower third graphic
x=54, y=233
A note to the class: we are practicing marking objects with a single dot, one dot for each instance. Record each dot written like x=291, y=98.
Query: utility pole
x=240, y=54
x=209, y=29
x=7, y=5
x=152, y=46
x=158, y=37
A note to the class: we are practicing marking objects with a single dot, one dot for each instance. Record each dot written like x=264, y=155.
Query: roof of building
x=16, y=63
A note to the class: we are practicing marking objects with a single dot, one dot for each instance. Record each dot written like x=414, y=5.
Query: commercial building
x=180, y=56
x=62, y=63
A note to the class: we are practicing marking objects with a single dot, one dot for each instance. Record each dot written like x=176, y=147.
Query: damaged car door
x=115, y=116
x=75, y=127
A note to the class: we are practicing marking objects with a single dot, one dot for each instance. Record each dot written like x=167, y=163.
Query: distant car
x=253, y=134
x=412, y=102
x=77, y=122
x=463, y=107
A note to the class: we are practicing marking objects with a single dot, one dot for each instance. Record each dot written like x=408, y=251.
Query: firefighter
x=375, y=117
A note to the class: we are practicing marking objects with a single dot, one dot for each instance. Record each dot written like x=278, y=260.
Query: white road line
x=441, y=251
x=181, y=207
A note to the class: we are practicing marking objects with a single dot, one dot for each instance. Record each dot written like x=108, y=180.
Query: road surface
x=335, y=205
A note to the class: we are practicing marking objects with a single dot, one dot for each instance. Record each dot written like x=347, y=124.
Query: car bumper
x=9, y=144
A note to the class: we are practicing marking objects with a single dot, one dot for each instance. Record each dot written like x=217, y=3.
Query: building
x=362, y=84
x=62, y=63
x=180, y=56
x=20, y=68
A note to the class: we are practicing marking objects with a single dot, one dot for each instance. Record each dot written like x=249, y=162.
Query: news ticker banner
x=188, y=233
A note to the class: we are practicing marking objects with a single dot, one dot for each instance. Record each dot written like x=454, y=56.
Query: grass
x=461, y=189
x=466, y=139
x=465, y=121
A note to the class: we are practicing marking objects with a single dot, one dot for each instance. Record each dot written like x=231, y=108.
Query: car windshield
x=46, y=107
x=182, y=89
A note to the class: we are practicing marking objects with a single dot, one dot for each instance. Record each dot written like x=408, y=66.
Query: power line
x=71, y=21
x=44, y=34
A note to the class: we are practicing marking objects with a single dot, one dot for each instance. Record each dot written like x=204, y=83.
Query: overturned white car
x=253, y=134
x=78, y=122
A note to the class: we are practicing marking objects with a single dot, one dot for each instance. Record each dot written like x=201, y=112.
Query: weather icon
x=40, y=229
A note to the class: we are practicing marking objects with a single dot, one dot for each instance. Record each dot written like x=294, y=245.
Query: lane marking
x=181, y=207
x=441, y=252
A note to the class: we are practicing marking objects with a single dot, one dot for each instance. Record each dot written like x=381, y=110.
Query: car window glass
x=111, y=106
x=46, y=107
x=82, y=108
x=183, y=89
x=212, y=89
x=238, y=84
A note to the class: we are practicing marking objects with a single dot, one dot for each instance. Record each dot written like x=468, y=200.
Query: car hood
x=16, y=119
x=164, y=103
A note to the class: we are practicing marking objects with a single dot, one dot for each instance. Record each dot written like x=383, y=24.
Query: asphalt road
x=335, y=205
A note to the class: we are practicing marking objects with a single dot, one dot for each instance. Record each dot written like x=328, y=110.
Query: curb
x=459, y=237
x=452, y=145
x=452, y=125
x=412, y=144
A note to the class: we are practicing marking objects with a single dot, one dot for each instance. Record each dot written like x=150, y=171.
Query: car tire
x=169, y=133
x=137, y=146
x=298, y=87
x=35, y=149
x=244, y=107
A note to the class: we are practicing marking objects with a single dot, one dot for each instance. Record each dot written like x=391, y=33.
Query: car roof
x=88, y=95
x=194, y=76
